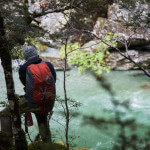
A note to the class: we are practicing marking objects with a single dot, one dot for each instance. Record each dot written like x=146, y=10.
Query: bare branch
x=57, y=10
x=122, y=54
x=81, y=48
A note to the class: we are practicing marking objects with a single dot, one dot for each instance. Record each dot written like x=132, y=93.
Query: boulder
x=115, y=23
x=53, y=22
x=52, y=55
x=90, y=46
x=139, y=41
x=118, y=62
x=51, y=52
x=58, y=63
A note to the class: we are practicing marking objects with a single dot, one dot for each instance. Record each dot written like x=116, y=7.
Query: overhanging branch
x=122, y=54
x=57, y=10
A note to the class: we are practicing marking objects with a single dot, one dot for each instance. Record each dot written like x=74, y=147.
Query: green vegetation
x=4, y=144
x=16, y=52
x=46, y=146
x=95, y=60
x=88, y=60
x=35, y=42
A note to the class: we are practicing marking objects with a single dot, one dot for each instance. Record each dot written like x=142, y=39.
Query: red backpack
x=40, y=87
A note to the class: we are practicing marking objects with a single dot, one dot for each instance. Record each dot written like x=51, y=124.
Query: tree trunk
x=66, y=100
x=20, y=140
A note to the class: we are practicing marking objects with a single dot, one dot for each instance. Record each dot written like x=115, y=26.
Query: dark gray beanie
x=29, y=52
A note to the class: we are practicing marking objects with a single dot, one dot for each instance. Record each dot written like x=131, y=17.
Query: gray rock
x=53, y=22
x=105, y=25
x=118, y=62
x=90, y=46
x=50, y=52
x=58, y=63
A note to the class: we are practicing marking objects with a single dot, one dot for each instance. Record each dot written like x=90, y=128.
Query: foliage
x=85, y=60
x=16, y=27
x=35, y=42
x=72, y=107
x=46, y=146
x=16, y=52
x=95, y=60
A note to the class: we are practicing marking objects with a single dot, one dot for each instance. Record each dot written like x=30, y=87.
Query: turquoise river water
x=95, y=101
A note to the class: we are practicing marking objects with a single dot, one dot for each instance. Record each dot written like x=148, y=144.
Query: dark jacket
x=36, y=60
x=22, y=75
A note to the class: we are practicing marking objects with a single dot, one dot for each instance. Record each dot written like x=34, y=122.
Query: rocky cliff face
x=118, y=62
x=116, y=23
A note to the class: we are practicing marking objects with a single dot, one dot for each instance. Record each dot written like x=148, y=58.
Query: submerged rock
x=146, y=86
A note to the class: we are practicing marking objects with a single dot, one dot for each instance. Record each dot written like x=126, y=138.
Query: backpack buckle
x=43, y=93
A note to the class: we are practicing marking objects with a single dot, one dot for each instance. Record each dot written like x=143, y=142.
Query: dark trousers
x=43, y=124
x=42, y=120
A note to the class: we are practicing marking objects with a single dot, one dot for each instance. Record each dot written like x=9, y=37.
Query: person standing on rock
x=39, y=79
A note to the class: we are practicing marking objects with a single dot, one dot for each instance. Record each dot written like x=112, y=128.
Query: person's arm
x=22, y=76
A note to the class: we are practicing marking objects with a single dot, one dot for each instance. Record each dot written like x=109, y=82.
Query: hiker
x=38, y=78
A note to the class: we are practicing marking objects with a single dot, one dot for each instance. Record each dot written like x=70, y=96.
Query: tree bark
x=20, y=140
x=66, y=100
